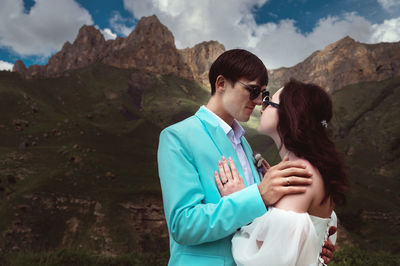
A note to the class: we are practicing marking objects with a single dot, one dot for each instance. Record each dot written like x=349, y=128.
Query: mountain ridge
x=150, y=46
x=343, y=63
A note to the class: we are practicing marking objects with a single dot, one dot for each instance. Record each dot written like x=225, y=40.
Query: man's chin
x=243, y=119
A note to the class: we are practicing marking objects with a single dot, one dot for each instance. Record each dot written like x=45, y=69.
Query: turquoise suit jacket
x=200, y=222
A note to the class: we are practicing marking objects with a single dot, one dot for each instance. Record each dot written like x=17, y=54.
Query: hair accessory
x=324, y=123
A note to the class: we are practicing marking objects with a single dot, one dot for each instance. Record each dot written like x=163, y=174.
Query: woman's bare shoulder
x=304, y=201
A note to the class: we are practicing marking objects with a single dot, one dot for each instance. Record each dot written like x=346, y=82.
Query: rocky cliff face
x=150, y=46
x=200, y=57
x=342, y=63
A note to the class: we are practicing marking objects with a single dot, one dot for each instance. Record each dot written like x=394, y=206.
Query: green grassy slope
x=78, y=158
x=367, y=129
x=73, y=149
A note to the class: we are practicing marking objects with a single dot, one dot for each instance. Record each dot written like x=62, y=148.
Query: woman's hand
x=230, y=180
x=261, y=163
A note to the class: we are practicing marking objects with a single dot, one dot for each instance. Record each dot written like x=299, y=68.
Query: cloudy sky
x=280, y=32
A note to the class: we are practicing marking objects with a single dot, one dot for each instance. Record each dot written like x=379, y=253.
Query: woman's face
x=269, y=117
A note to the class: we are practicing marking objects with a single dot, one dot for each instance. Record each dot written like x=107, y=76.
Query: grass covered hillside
x=78, y=167
x=367, y=129
x=78, y=158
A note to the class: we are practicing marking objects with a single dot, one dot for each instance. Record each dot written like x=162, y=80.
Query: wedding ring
x=287, y=181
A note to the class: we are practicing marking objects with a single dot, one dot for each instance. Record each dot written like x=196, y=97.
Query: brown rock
x=19, y=67
x=343, y=63
x=200, y=57
x=150, y=46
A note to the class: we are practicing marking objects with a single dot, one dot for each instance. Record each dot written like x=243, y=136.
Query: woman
x=292, y=232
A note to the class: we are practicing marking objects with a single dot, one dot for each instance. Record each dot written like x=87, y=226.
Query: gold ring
x=287, y=181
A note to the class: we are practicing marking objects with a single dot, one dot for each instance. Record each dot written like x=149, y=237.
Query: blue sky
x=281, y=32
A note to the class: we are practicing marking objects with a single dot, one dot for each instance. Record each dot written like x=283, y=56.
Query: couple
x=226, y=215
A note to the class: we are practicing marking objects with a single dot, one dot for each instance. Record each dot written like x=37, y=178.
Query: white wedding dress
x=282, y=237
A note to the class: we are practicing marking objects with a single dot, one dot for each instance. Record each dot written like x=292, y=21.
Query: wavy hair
x=304, y=111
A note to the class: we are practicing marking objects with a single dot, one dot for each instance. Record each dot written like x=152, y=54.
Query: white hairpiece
x=324, y=123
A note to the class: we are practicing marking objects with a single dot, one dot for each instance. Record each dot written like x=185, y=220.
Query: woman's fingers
x=265, y=164
x=221, y=170
x=227, y=169
x=218, y=181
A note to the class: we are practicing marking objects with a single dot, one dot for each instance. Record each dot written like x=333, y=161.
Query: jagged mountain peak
x=150, y=46
x=90, y=35
x=151, y=30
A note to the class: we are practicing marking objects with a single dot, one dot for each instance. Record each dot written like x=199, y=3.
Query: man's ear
x=220, y=84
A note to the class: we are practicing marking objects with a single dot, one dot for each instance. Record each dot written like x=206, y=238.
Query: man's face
x=236, y=99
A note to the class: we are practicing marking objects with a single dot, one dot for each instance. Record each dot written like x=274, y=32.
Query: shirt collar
x=236, y=130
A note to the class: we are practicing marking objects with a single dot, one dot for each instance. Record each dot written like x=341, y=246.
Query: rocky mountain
x=78, y=141
x=343, y=63
x=149, y=47
x=200, y=57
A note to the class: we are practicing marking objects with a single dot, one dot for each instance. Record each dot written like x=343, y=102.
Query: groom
x=200, y=222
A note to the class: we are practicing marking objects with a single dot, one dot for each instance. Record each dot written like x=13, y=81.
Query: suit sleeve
x=190, y=220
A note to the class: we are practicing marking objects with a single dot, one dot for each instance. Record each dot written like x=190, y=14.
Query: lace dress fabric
x=282, y=237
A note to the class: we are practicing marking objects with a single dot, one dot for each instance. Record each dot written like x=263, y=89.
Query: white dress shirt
x=234, y=134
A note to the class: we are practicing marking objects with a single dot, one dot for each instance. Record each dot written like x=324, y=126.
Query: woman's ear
x=220, y=84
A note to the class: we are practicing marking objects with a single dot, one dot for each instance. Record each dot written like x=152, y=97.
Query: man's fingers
x=326, y=260
x=328, y=245
x=293, y=171
x=326, y=253
x=287, y=164
x=295, y=181
x=332, y=230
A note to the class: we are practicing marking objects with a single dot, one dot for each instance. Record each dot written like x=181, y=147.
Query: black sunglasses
x=266, y=101
x=254, y=90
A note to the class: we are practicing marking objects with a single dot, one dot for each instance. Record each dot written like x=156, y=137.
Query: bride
x=293, y=231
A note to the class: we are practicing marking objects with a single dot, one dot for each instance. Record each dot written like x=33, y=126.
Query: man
x=201, y=223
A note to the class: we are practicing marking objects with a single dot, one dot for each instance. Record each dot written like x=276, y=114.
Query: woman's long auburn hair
x=302, y=108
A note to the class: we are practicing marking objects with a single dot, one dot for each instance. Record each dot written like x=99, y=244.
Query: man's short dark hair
x=236, y=64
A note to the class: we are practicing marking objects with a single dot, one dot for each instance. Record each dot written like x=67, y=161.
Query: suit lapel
x=219, y=138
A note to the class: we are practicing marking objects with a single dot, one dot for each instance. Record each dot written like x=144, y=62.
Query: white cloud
x=119, y=24
x=5, y=65
x=195, y=21
x=277, y=44
x=388, y=4
x=388, y=31
x=44, y=29
x=108, y=34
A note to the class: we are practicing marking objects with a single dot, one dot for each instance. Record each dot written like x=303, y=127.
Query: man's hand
x=328, y=248
x=287, y=177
